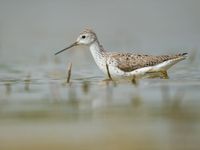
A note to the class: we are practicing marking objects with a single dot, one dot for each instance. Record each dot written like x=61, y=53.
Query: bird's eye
x=83, y=37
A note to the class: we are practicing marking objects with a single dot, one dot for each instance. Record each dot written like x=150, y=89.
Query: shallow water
x=38, y=110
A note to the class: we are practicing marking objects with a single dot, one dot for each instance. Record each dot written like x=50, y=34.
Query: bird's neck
x=97, y=49
x=99, y=55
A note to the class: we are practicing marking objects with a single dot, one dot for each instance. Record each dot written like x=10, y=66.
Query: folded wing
x=129, y=62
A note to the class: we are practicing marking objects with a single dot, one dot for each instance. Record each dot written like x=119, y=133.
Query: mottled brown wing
x=129, y=62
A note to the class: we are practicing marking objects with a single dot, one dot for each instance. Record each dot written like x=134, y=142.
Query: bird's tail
x=171, y=61
x=182, y=55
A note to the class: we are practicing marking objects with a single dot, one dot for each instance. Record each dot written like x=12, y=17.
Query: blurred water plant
x=55, y=92
x=69, y=72
x=8, y=87
x=86, y=86
x=27, y=82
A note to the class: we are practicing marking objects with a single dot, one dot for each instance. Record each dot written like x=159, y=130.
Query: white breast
x=98, y=56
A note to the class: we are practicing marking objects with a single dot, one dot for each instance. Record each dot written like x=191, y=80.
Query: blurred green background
x=39, y=111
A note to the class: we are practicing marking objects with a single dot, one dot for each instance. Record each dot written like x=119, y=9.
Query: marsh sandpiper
x=126, y=65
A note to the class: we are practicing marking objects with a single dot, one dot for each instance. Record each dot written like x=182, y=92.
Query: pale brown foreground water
x=38, y=111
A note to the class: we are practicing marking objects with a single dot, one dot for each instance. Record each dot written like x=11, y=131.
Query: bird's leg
x=134, y=80
x=164, y=75
x=155, y=74
x=108, y=72
x=107, y=81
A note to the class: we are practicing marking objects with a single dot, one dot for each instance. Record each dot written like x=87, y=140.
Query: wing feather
x=129, y=61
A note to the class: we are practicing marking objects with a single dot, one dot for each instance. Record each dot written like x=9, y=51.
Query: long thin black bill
x=74, y=44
